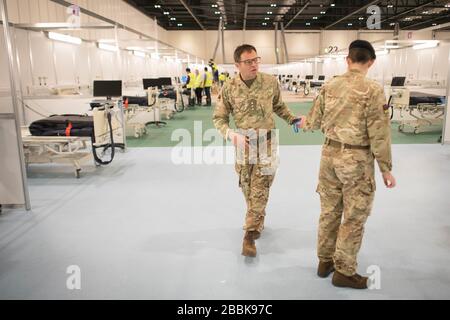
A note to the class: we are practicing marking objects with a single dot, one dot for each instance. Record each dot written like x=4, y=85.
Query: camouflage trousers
x=256, y=174
x=346, y=188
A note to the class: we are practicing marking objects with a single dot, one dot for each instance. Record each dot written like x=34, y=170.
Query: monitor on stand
x=107, y=88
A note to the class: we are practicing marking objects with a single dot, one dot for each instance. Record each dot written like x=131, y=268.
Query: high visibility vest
x=222, y=77
x=209, y=79
x=199, y=81
x=191, y=80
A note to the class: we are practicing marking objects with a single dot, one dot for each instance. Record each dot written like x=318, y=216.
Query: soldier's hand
x=389, y=180
x=298, y=123
x=238, y=140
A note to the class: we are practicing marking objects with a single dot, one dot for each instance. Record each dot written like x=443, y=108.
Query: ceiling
x=298, y=15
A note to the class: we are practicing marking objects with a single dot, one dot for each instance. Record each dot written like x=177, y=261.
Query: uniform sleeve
x=379, y=130
x=314, y=117
x=280, y=108
x=221, y=115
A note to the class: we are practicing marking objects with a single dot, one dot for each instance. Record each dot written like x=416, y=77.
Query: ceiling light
x=214, y=5
x=273, y=5
x=391, y=46
x=332, y=4
x=180, y=24
x=425, y=12
x=217, y=12
x=173, y=19
x=157, y=6
x=264, y=24
x=426, y=45
x=166, y=13
x=269, y=12
x=434, y=24
x=107, y=47
x=308, y=24
x=447, y=5
x=266, y=18
x=361, y=18
x=107, y=40
x=64, y=38
x=322, y=12
x=350, y=24
x=390, y=6
x=139, y=54
x=381, y=52
x=314, y=18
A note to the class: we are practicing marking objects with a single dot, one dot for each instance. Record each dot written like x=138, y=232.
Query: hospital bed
x=160, y=100
x=58, y=139
x=50, y=149
x=425, y=110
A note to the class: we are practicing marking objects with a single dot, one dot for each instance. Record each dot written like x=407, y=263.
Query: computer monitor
x=398, y=81
x=156, y=82
x=107, y=88
x=165, y=82
x=148, y=83
x=321, y=78
x=309, y=77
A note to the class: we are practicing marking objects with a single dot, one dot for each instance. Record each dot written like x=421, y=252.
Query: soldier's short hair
x=188, y=70
x=359, y=55
x=241, y=49
x=361, y=51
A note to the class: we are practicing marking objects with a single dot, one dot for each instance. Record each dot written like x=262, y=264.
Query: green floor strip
x=162, y=137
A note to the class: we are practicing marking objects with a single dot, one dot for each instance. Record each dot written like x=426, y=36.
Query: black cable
x=105, y=146
x=392, y=107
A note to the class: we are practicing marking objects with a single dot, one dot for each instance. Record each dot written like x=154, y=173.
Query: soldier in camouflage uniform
x=351, y=111
x=252, y=98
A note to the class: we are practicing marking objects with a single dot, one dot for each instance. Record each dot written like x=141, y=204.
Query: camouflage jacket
x=352, y=109
x=251, y=108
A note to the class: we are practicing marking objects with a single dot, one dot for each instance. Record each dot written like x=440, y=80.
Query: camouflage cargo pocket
x=368, y=186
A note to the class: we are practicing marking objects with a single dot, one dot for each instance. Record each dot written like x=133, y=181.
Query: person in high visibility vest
x=199, y=85
x=190, y=85
x=208, y=84
x=215, y=70
x=222, y=79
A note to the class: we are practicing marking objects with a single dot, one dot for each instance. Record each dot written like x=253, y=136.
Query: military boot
x=256, y=235
x=248, y=245
x=325, y=268
x=355, y=281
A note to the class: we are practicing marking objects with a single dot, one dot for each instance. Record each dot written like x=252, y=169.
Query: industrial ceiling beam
x=407, y=11
x=298, y=13
x=245, y=14
x=192, y=14
x=352, y=13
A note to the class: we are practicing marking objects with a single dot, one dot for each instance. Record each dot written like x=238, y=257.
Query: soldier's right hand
x=238, y=140
x=389, y=180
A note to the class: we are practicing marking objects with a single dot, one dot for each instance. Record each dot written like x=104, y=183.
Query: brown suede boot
x=248, y=245
x=325, y=269
x=256, y=235
x=355, y=281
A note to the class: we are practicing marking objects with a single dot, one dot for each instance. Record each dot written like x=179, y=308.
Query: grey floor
x=144, y=228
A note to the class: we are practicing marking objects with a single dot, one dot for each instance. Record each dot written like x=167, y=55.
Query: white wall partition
x=13, y=186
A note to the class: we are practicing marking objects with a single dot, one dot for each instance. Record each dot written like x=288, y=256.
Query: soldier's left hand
x=299, y=123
